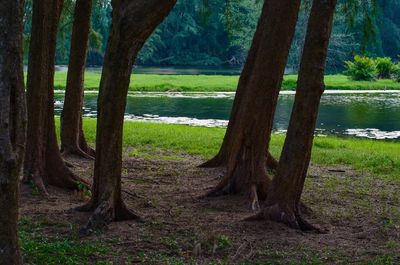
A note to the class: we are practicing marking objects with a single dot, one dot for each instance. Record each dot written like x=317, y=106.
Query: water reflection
x=363, y=115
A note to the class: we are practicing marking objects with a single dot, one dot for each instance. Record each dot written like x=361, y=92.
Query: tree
x=283, y=201
x=72, y=137
x=43, y=163
x=245, y=145
x=12, y=126
x=133, y=22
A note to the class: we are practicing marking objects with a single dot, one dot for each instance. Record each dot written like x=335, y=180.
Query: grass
x=374, y=156
x=40, y=249
x=216, y=83
x=380, y=159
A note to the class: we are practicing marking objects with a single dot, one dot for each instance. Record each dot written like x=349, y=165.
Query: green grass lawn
x=216, y=83
x=381, y=158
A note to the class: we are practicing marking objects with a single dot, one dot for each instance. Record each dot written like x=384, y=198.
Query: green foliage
x=361, y=69
x=385, y=67
x=396, y=73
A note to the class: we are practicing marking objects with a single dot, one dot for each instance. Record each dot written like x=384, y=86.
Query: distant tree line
x=219, y=33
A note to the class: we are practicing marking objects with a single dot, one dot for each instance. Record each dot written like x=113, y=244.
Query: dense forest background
x=219, y=33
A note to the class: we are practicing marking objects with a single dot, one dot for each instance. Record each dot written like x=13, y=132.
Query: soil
x=363, y=223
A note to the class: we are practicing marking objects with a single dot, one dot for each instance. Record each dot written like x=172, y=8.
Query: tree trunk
x=72, y=137
x=12, y=127
x=43, y=162
x=283, y=201
x=252, y=117
x=221, y=159
x=132, y=24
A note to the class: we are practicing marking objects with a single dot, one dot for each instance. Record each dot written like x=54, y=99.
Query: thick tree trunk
x=12, y=127
x=72, y=138
x=132, y=24
x=283, y=201
x=43, y=162
x=221, y=159
x=251, y=121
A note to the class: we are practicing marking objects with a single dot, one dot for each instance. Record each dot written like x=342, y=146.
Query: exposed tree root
x=77, y=151
x=104, y=214
x=58, y=178
x=241, y=182
x=216, y=161
x=84, y=146
x=286, y=215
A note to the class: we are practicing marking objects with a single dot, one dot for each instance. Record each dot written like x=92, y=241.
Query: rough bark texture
x=250, y=126
x=283, y=202
x=72, y=137
x=43, y=162
x=132, y=24
x=12, y=126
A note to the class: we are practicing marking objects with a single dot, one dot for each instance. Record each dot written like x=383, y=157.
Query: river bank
x=217, y=83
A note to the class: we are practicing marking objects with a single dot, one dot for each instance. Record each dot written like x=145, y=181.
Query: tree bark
x=72, y=137
x=221, y=159
x=12, y=127
x=43, y=162
x=132, y=24
x=250, y=126
x=282, y=204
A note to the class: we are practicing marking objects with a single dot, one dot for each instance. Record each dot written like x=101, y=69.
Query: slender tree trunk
x=283, y=201
x=132, y=24
x=12, y=127
x=72, y=138
x=251, y=122
x=43, y=162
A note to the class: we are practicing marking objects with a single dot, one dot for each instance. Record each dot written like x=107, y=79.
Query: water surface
x=363, y=115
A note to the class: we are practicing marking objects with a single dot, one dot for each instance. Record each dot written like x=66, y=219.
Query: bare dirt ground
x=361, y=213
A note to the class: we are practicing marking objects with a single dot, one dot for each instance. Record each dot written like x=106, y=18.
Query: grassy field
x=377, y=157
x=216, y=83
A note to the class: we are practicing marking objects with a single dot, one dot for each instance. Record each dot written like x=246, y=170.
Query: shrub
x=385, y=67
x=396, y=72
x=361, y=69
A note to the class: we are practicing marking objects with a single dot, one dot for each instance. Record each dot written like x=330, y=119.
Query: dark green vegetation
x=368, y=192
x=219, y=32
x=217, y=83
x=364, y=68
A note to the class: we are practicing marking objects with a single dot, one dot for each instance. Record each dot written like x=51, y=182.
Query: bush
x=385, y=67
x=361, y=69
x=396, y=73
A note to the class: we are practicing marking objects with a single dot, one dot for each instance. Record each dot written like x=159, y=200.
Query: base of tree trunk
x=105, y=213
x=76, y=151
x=286, y=215
x=254, y=185
x=219, y=161
x=62, y=178
x=84, y=145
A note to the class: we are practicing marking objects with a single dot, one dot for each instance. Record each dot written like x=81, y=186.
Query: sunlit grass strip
x=217, y=83
x=380, y=158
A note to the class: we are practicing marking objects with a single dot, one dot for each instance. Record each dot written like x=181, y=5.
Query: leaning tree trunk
x=12, y=127
x=252, y=120
x=283, y=201
x=132, y=24
x=221, y=159
x=72, y=137
x=43, y=162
